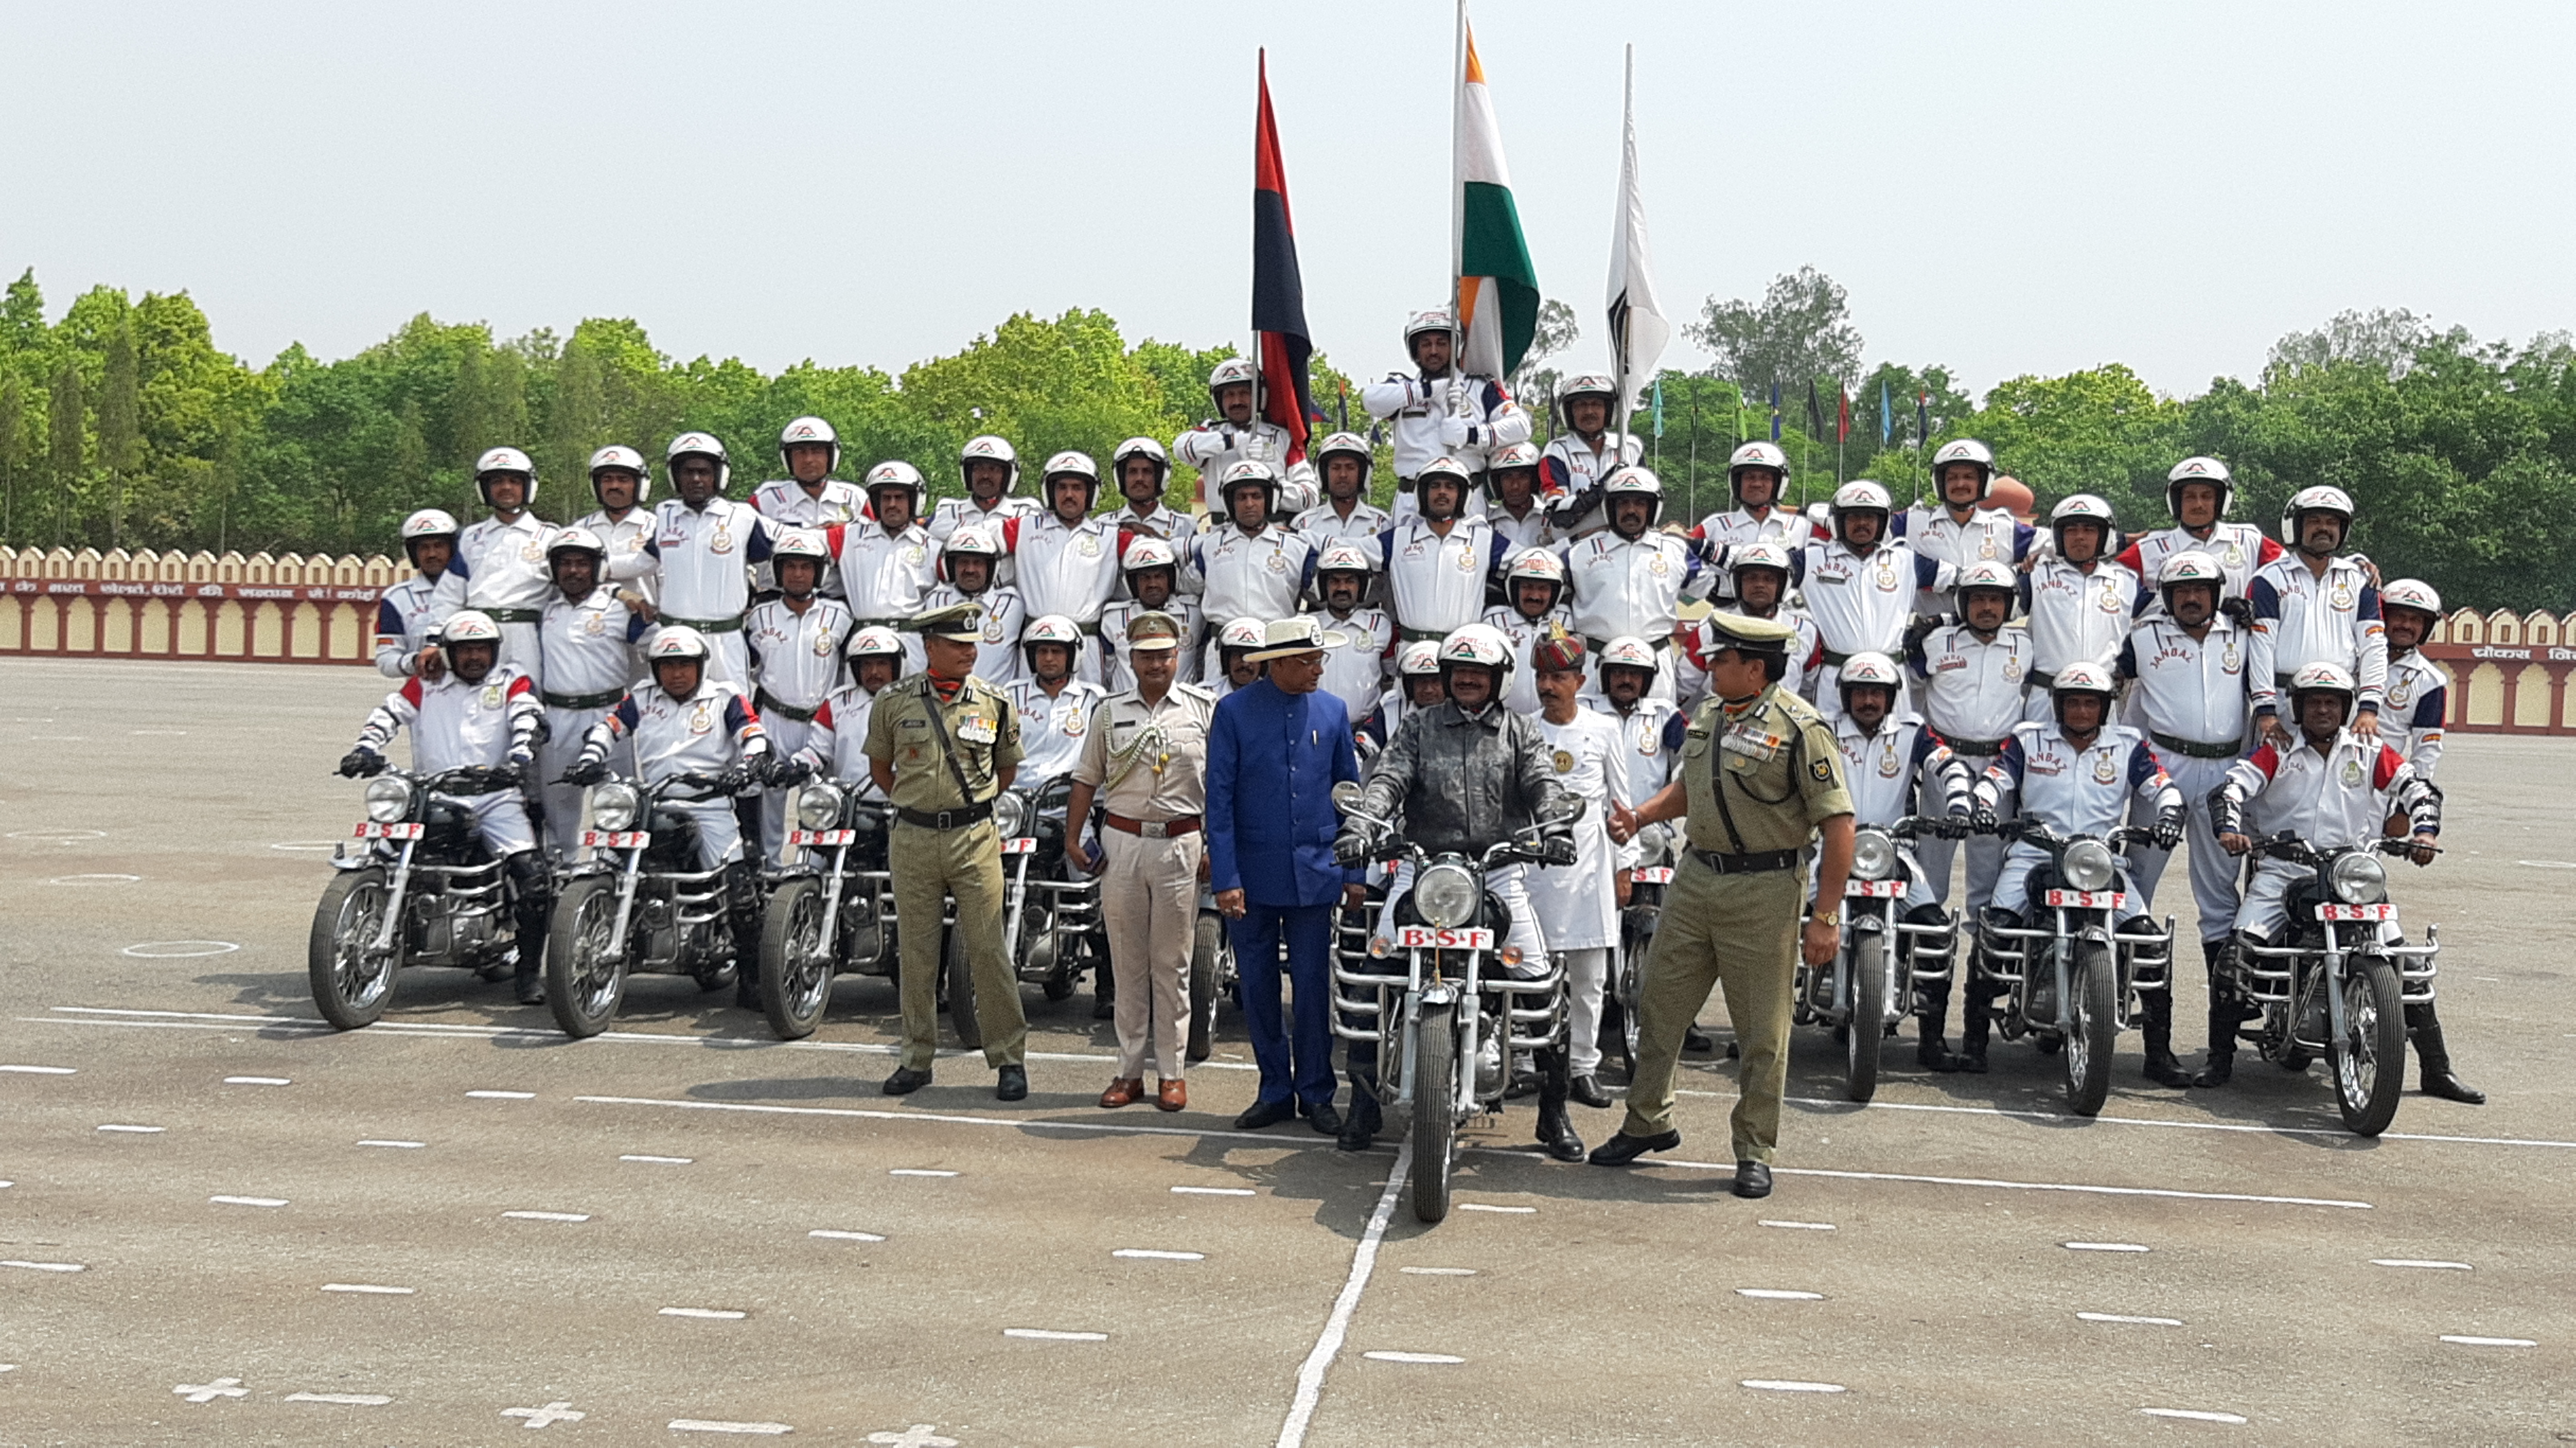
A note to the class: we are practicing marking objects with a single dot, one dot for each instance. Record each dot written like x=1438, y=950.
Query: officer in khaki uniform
x=942, y=745
x=1759, y=777
x=1146, y=756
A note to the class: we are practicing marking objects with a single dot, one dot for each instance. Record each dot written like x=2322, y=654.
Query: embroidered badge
x=491, y=696
x=722, y=542
x=913, y=555
x=533, y=553
x=1087, y=546
x=1887, y=765
x=2351, y=773
x=2106, y=770
x=594, y=624
x=822, y=645
x=700, y=720
x=2341, y=598
x=1821, y=770
x=1564, y=762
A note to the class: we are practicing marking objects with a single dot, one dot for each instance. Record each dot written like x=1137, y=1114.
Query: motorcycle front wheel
x=2096, y=1029
x=351, y=985
x=1868, y=1023
x=1435, y=1121
x=961, y=993
x=1204, y=948
x=795, y=962
x=1632, y=977
x=2369, y=1065
x=585, y=969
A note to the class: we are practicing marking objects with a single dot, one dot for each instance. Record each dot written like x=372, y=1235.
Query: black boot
x=2225, y=1015
x=1695, y=1039
x=1555, y=1133
x=2162, y=1067
x=1104, y=991
x=532, y=908
x=1932, y=1027
x=1976, y=1023
x=742, y=906
x=2426, y=1028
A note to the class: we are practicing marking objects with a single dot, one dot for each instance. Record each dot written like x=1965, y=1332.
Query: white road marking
x=1837, y=1106
x=1152, y=1254
x=1800, y=1226
x=45, y=1266
x=549, y=1216
x=158, y=733
x=2548, y=864
x=2122, y=1317
x=830, y=1235
x=919, y=1435
x=551, y=1413
x=713, y=1425
x=1050, y=1335
x=178, y=949
x=1994, y=1184
x=405, y=1145
x=2489, y=1341
x=1488, y=1207
x=1791, y=1385
x=1412, y=1357
x=502, y=1095
x=134, y=1130
x=1015, y=1123
x=97, y=879
x=1214, y=1191
x=1779, y=1294
x=920, y=1171
x=660, y=1160
x=370, y=1288
x=720, y=1314
x=1310, y=1374
x=58, y=837
x=248, y=1201
x=353, y=1400
x=315, y=846
x=2193, y=1415
x=2419, y=1262
x=41, y=1070
x=257, y=1081
x=208, y=1392
x=2102, y=1247
x=1438, y=1271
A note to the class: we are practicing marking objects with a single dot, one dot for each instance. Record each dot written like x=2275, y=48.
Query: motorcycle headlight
x=1445, y=896
x=1873, y=855
x=1011, y=814
x=818, y=806
x=2360, y=880
x=389, y=801
x=2086, y=866
x=613, y=806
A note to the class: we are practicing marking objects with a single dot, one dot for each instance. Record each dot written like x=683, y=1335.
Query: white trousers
x=786, y=736
x=1587, y=974
x=1985, y=861
x=2213, y=870
x=1506, y=886
x=565, y=731
x=1149, y=899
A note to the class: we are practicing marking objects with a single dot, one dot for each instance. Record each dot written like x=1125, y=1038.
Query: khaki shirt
x=1149, y=760
x=1781, y=773
x=982, y=728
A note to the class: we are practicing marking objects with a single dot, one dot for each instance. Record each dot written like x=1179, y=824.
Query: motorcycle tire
x=2096, y=1029
x=2369, y=1068
x=961, y=993
x=344, y=990
x=1868, y=1024
x=1632, y=979
x=585, y=970
x=1204, y=948
x=1435, y=1124
x=796, y=964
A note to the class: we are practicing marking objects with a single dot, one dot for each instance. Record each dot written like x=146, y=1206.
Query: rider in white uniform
x=990, y=468
x=1068, y=559
x=1152, y=572
x=1238, y=432
x=1439, y=412
x=1629, y=579
x=1533, y=610
x=1960, y=529
x=1756, y=476
x=795, y=641
x=1759, y=573
x=836, y=747
x=622, y=524
x=1250, y=566
x=588, y=637
x=706, y=545
x=1510, y=498
x=1142, y=471
x=1356, y=671
x=1438, y=562
x=1584, y=454
x=2080, y=605
x=1055, y=707
x=809, y=496
x=1344, y=462
x=404, y=609
x=1974, y=678
x=500, y=565
x=968, y=564
x=2313, y=606
x=2197, y=493
x=1860, y=585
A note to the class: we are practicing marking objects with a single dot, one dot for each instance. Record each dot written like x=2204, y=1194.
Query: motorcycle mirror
x=1346, y=796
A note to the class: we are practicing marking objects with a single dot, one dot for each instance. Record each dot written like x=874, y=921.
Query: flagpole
x=1619, y=329
x=1457, y=184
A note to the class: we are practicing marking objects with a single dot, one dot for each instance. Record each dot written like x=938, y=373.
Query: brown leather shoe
x=1125, y=1091
x=1174, y=1095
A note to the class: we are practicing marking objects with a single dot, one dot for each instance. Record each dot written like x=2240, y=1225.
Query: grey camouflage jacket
x=1464, y=784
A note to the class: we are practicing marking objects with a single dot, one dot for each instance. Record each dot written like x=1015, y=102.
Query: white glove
x=1454, y=431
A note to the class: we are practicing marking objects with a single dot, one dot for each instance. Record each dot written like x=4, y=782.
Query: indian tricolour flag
x=1497, y=287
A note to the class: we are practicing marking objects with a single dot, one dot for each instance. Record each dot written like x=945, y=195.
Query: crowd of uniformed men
x=1518, y=616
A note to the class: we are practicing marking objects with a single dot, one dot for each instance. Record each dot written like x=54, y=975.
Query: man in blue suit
x=1276, y=750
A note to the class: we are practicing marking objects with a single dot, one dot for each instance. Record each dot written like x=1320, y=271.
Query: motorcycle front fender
x=1440, y=994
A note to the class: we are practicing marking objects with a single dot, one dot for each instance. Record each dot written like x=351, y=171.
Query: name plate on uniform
x=821, y=837
x=1432, y=937
x=1025, y=845
x=370, y=830
x=2088, y=899
x=2384, y=910
x=1874, y=889
x=616, y=839
x=1651, y=875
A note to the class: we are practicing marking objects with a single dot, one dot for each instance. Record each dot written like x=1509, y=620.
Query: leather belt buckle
x=1152, y=829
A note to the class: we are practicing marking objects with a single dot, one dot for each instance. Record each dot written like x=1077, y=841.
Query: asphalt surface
x=198, y=1171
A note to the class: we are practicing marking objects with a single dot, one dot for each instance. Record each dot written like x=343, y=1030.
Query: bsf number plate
x=1652, y=875
x=616, y=839
x=2086, y=899
x=1428, y=937
x=370, y=830
x=1025, y=845
x=821, y=837
x=1875, y=889
x=2381, y=911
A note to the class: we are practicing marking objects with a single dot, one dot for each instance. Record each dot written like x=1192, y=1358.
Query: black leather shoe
x=1933, y=1054
x=1359, y=1133
x=531, y=989
x=2220, y=1070
x=1556, y=1135
x=2452, y=1088
x=1622, y=1148
x=1973, y=1059
x=1752, y=1179
x=905, y=1081
x=1013, y=1084
x=1324, y=1118
x=2164, y=1070
x=1265, y=1113
x=1695, y=1039
x=1103, y=1005
x=1585, y=1091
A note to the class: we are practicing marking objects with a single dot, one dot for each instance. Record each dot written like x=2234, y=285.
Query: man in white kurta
x=1578, y=905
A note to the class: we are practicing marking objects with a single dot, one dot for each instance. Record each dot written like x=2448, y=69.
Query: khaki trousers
x=1735, y=931
x=966, y=863
x=1150, y=898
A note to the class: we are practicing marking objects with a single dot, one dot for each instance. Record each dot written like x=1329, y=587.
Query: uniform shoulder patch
x=1796, y=708
x=1821, y=768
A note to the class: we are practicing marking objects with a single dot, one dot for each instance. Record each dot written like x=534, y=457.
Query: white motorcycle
x=421, y=891
x=1869, y=984
x=2071, y=977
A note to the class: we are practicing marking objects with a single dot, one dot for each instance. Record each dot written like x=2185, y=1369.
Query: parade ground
x=222, y=1222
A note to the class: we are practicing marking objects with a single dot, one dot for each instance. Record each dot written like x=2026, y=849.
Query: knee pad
x=1927, y=915
x=532, y=888
x=741, y=887
x=1996, y=917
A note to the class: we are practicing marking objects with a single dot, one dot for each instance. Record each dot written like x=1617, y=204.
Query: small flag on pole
x=1497, y=286
x=1638, y=329
x=1775, y=412
x=1278, y=292
x=1815, y=414
x=1886, y=418
x=1659, y=404
x=1922, y=418
x=1842, y=418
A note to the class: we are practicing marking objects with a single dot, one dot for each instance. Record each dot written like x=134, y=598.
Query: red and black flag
x=1278, y=293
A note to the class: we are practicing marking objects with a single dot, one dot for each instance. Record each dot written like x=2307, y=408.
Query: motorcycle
x=1869, y=985
x=830, y=913
x=638, y=903
x=2070, y=982
x=1646, y=885
x=1439, y=1002
x=422, y=891
x=1212, y=975
x=1051, y=926
x=2336, y=985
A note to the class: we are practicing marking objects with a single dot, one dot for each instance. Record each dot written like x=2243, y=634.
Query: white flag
x=1638, y=330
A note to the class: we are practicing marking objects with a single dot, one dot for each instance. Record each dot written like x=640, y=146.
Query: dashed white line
x=40, y=1070
x=1792, y=1385
x=45, y=1266
x=502, y=1095
x=2420, y=1262
x=2102, y=1247
x=660, y=1160
x=248, y=1201
x=1436, y=1358
x=1799, y=1226
x=1212, y=1191
x=134, y=1130
x=1044, y=1334
x=369, y=1288
x=1489, y=1207
x=404, y=1145
x=1779, y=1294
x=719, y=1314
x=257, y=1081
x=178, y=949
x=549, y=1216
x=919, y=1171
x=559, y=1411
x=354, y=1400
x=1438, y=1271
x=714, y=1425
x=1337, y=1326
x=830, y=1234
x=1151, y=1254
x=208, y=1392
x=2193, y=1415
x=2488, y=1341
x=2123, y=1317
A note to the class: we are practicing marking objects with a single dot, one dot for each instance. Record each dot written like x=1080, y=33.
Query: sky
x=2004, y=189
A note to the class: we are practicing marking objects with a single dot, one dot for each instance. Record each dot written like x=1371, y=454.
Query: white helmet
x=1589, y=384
x=2314, y=500
x=1347, y=442
x=1149, y=553
x=1243, y=633
x=1248, y=470
x=1628, y=652
x=505, y=460
x=2322, y=678
x=809, y=430
x=1517, y=455
x=895, y=473
x=1966, y=450
x=801, y=543
x=1991, y=573
x=1756, y=455
x=676, y=641
x=991, y=449
x=2412, y=593
x=1868, y=667
x=469, y=626
x=618, y=455
x=1235, y=372
x=2083, y=676
x=1051, y=628
x=574, y=539
x=1420, y=657
x=1445, y=467
x=427, y=523
x=874, y=641
x=1762, y=553
x=1070, y=464
x=1634, y=480
x=1148, y=449
x=2198, y=470
x=2084, y=508
x=972, y=540
x=1477, y=643
x=2191, y=566
x=1343, y=556
x=1437, y=319
x=1859, y=496
x=1539, y=565
x=703, y=444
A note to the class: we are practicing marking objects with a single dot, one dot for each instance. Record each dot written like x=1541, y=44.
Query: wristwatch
x=1834, y=920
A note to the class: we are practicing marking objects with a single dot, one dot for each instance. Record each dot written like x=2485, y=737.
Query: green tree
x=67, y=440
x=13, y=451
x=1801, y=331
x=120, y=425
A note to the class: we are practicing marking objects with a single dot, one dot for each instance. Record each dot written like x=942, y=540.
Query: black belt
x=768, y=703
x=1419, y=635
x=514, y=615
x=1833, y=660
x=2042, y=680
x=706, y=625
x=1981, y=748
x=2193, y=749
x=1759, y=862
x=599, y=700
x=1659, y=645
x=947, y=819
